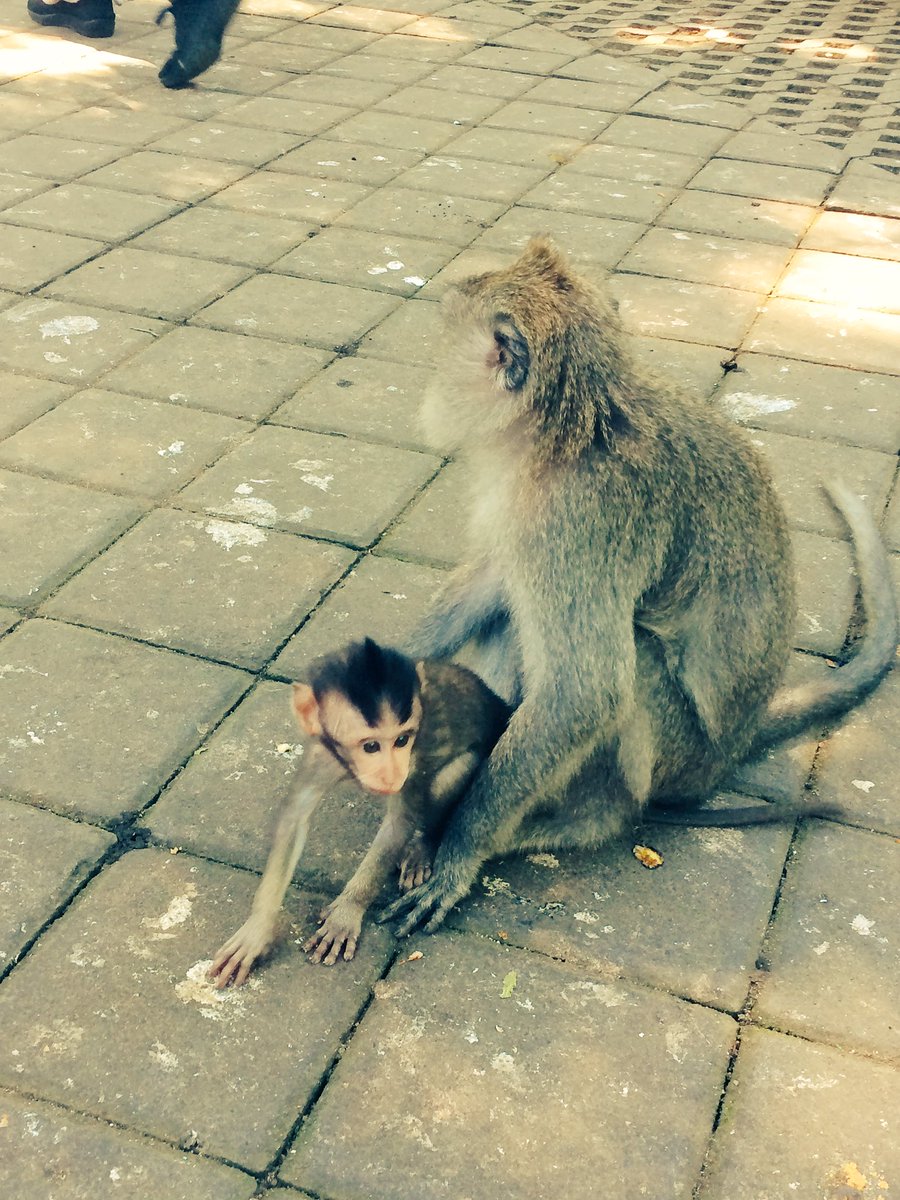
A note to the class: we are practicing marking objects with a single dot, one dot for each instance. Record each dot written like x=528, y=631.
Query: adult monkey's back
x=630, y=569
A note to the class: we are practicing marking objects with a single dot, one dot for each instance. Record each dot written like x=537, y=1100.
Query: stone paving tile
x=287, y=116
x=577, y=93
x=635, y=164
x=383, y=598
x=148, y=283
x=24, y=399
x=814, y=401
x=361, y=397
x=691, y=312
x=683, y=104
x=283, y=57
x=599, y=1056
x=420, y=101
x=90, y=212
x=868, y=283
x=840, y=1113
x=604, y=910
x=48, y=530
x=43, y=858
x=304, y=33
x=508, y=58
x=220, y=372
x=16, y=187
x=701, y=258
x=362, y=65
x=696, y=367
x=761, y=181
x=290, y=197
x=333, y=487
x=83, y=342
x=226, y=141
x=181, y=1045
x=431, y=531
x=94, y=725
x=471, y=177
x=86, y=1158
x=361, y=94
x=365, y=259
x=357, y=17
x=168, y=175
x=541, y=150
x=360, y=165
x=826, y=589
x=738, y=217
x=221, y=589
x=603, y=68
x=55, y=158
x=783, y=150
x=326, y=315
x=828, y=333
x=854, y=233
x=27, y=112
x=531, y=116
x=800, y=466
x=410, y=334
x=380, y=128
x=157, y=447
x=867, y=190
x=674, y=137
x=833, y=944
x=573, y=191
x=116, y=126
x=30, y=257
x=857, y=768
x=590, y=241
x=225, y=235
x=477, y=82
x=446, y=218
x=892, y=522
x=223, y=805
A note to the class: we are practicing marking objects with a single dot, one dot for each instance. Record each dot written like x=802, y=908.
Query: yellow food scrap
x=509, y=983
x=648, y=857
x=415, y=956
x=849, y=1175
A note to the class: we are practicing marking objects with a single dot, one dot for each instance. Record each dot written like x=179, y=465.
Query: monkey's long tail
x=794, y=710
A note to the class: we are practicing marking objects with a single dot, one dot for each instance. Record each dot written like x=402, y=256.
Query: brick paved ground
x=217, y=312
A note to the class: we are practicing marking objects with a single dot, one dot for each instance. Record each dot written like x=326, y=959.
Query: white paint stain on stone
x=589, y=918
x=176, y=914
x=163, y=1057
x=543, y=860
x=862, y=925
x=68, y=327
x=677, y=1038
x=414, y=280
x=821, y=948
x=216, y=1004
x=251, y=508
x=171, y=450
x=745, y=405
x=503, y=1062
x=864, y=785
x=229, y=534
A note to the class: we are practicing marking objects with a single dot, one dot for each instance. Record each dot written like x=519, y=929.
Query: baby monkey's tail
x=793, y=711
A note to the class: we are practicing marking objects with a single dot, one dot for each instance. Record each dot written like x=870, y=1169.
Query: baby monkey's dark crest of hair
x=370, y=676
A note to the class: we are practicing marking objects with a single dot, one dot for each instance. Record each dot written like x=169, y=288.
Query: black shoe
x=199, y=29
x=90, y=18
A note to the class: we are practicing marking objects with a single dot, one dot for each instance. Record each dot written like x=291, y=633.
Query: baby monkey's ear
x=306, y=709
x=422, y=677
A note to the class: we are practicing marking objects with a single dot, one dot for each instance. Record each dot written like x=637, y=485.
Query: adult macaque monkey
x=412, y=732
x=630, y=559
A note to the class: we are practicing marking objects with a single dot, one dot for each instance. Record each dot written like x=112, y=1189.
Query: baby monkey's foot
x=338, y=934
x=415, y=866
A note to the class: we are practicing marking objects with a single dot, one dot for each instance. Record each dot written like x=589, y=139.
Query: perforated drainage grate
x=825, y=69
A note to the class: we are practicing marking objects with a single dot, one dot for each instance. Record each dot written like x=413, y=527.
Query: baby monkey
x=413, y=732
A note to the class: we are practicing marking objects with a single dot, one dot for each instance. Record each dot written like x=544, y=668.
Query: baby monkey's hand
x=235, y=959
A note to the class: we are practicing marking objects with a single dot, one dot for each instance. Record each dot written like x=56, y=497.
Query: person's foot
x=90, y=18
x=199, y=28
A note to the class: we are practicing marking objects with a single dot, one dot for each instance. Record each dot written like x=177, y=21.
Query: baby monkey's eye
x=371, y=747
x=403, y=740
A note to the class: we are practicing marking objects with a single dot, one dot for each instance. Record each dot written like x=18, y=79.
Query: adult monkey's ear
x=306, y=709
x=509, y=354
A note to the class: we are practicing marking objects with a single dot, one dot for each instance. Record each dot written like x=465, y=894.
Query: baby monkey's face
x=379, y=756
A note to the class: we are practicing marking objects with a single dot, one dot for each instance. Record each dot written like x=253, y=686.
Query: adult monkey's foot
x=199, y=28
